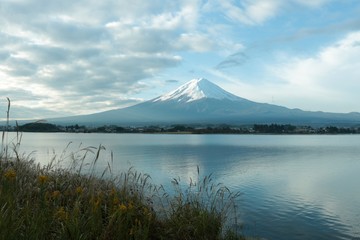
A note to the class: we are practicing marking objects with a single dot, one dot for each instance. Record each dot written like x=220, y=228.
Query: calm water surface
x=293, y=187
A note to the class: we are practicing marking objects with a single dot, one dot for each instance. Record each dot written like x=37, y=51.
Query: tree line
x=191, y=129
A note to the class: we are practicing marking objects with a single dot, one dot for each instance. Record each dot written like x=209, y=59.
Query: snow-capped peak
x=196, y=89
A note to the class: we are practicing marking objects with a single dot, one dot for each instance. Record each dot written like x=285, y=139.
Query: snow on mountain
x=197, y=89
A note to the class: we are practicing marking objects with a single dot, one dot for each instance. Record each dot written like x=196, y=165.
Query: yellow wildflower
x=43, y=179
x=55, y=194
x=113, y=192
x=123, y=207
x=131, y=205
x=79, y=190
x=10, y=174
x=95, y=203
x=116, y=201
x=145, y=210
x=137, y=222
x=61, y=214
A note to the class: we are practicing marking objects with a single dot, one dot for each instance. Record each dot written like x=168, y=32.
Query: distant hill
x=202, y=102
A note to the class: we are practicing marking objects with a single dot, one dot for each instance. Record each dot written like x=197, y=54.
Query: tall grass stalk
x=4, y=137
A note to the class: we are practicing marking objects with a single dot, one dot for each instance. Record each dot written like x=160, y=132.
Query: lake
x=293, y=186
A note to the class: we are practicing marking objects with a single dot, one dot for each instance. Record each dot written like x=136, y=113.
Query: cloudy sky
x=76, y=57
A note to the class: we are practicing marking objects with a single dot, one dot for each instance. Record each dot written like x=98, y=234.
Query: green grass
x=50, y=202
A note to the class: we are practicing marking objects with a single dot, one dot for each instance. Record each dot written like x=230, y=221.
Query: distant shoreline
x=275, y=129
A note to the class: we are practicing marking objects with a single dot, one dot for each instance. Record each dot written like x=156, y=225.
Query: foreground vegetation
x=51, y=202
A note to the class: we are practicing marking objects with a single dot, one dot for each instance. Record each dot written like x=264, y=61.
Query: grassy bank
x=50, y=202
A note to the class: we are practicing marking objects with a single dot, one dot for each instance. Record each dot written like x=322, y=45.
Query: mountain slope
x=202, y=102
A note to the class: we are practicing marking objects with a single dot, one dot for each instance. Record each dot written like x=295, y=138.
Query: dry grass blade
x=4, y=137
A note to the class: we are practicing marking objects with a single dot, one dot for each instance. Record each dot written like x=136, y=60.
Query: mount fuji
x=200, y=101
x=197, y=89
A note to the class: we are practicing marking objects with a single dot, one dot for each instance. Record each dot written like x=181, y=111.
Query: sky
x=62, y=58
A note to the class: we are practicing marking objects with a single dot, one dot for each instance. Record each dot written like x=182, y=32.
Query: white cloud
x=255, y=12
x=328, y=78
x=195, y=41
x=250, y=12
x=65, y=52
x=312, y=3
x=186, y=17
x=260, y=11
